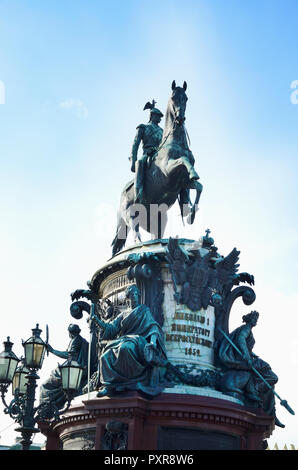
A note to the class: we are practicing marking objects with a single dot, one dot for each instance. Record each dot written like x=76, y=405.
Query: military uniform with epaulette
x=150, y=135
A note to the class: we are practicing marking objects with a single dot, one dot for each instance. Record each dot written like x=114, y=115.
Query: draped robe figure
x=243, y=338
x=135, y=350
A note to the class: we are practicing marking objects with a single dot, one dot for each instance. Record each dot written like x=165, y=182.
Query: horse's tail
x=120, y=237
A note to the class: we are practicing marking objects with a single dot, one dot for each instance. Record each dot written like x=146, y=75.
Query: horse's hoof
x=186, y=210
x=190, y=219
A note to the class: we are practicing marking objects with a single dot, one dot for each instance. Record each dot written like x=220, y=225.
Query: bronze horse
x=169, y=176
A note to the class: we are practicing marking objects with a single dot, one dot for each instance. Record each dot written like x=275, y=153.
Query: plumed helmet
x=153, y=109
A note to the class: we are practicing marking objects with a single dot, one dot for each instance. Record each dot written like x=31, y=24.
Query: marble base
x=177, y=390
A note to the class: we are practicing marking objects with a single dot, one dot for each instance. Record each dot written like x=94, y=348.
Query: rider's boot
x=104, y=392
x=140, y=180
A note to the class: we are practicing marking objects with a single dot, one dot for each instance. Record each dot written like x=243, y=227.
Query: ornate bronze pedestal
x=203, y=405
x=168, y=422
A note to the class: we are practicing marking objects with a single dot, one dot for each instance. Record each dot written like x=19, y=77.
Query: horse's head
x=178, y=102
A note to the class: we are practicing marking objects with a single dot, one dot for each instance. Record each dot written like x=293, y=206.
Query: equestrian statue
x=164, y=174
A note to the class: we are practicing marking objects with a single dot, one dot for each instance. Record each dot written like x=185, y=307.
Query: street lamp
x=24, y=382
x=35, y=349
x=71, y=374
x=8, y=363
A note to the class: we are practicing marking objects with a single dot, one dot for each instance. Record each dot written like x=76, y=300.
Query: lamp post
x=24, y=382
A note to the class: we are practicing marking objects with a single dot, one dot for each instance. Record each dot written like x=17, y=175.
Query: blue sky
x=77, y=75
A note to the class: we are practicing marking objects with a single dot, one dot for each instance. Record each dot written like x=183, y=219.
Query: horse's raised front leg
x=183, y=161
x=195, y=206
x=193, y=175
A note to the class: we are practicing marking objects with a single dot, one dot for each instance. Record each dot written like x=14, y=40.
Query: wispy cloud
x=2, y=92
x=294, y=94
x=76, y=105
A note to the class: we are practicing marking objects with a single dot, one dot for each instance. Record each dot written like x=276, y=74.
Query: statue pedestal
x=168, y=422
x=190, y=303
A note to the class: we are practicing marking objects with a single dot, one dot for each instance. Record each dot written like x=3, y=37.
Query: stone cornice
x=187, y=410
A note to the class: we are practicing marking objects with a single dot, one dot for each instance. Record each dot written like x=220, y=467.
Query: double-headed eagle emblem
x=203, y=279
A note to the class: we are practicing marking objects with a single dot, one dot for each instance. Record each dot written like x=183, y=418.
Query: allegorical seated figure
x=134, y=352
x=78, y=350
x=239, y=373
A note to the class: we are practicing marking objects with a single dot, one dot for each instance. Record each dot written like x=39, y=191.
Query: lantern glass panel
x=8, y=362
x=3, y=368
x=75, y=378
x=29, y=353
x=20, y=381
x=34, y=354
x=65, y=377
x=16, y=382
x=8, y=366
x=12, y=368
x=71, y=374
x=38, y=354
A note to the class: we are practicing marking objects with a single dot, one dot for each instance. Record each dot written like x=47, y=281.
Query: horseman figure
x=150, y=135
x=165, y=173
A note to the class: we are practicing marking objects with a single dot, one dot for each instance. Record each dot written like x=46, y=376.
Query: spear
x=282, y=402
x=89, y=347
x=47, y=338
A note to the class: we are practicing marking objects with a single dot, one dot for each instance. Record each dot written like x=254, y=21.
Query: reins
x=157, y=149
